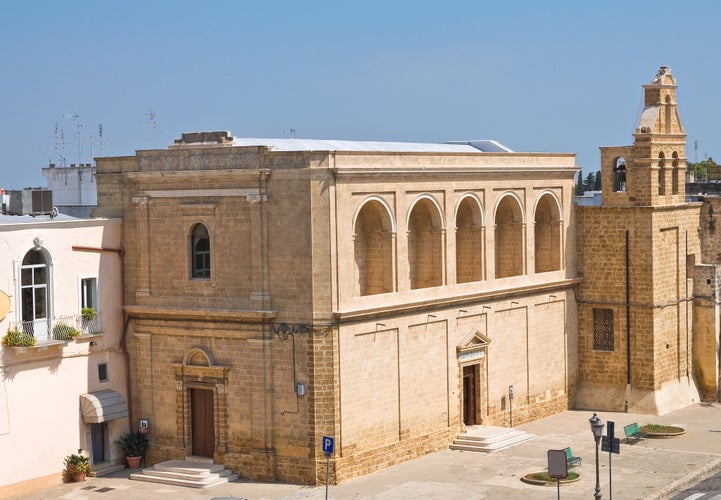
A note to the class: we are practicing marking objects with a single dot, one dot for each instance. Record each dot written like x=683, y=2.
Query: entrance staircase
x=193, y=472
x=487, y=439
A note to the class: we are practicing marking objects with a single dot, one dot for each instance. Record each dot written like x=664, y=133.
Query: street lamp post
x=597, y=429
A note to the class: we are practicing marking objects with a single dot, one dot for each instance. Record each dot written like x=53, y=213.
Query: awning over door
x=101, y=406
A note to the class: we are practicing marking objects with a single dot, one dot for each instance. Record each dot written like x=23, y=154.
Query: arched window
x=200, y=251
x=373, y=249
x=469, y=241
x=661, y=174
x=425, y=250
x=619, y=175
x=509, y=238
x=34, y=293
x=674, y=173
x=547, y=235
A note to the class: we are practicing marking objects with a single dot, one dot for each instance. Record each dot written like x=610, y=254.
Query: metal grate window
x=603, y=329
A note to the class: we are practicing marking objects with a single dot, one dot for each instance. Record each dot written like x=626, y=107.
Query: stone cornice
x=448, y=302
x=145, y=312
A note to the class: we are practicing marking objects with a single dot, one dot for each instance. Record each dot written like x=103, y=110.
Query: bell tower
x=652, y=171
x=635, y=255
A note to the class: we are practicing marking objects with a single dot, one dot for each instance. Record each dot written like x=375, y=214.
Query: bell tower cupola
x=652, y=171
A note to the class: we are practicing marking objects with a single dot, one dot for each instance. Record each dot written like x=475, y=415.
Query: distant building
x=74, y=189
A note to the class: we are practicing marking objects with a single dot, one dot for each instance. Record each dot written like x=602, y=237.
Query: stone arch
x=373, y=237
x=661, y=173
x=198, y=356
x=199, y=370
x=674, y=173
x=470, y=239
x=425, y=243
x=619, y=175
x=547, y=233
x=509, y=229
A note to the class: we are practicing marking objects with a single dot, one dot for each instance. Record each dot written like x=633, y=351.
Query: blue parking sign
x=328, y=445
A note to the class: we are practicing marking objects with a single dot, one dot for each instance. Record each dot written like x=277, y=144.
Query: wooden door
x=202, y=419
x=469, y=395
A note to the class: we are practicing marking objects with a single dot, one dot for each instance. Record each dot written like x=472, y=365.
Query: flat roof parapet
x=218, y=137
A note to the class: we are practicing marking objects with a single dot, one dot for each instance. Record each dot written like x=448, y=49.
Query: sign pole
x=328, y=444
x=327, y=467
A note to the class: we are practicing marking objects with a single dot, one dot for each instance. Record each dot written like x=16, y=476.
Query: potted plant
x=63, y=331
x=88, y=318
x=76, y=466
x=134, y=445
x=16, y=338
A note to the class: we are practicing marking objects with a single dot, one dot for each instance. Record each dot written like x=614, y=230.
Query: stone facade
x=382, y=294
x=636, y=256
x=389, y=294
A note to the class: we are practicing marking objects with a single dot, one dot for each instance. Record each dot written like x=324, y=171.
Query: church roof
x=483, y=146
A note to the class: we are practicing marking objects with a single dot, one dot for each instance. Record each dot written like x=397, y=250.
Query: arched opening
x=674, y=173
x=373, y=249
x=547, y=234
x=661, y=174
x=619, y=175
x=469, y=241
x=668, y=114
x=425, y=249
x=509, y=238
x=34, y=294
x=200, y=252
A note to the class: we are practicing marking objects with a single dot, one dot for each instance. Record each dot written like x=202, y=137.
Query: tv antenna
x=78, y=125
x=151, y=116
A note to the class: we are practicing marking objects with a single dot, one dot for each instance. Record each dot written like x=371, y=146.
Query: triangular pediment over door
x=473, y=346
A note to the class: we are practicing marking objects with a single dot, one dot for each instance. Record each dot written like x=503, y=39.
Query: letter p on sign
x=327, y=445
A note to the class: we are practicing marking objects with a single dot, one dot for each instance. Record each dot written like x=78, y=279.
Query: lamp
x=597, y=429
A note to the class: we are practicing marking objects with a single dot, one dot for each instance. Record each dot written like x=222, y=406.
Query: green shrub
x=133, y=444
x=88, y=313
x=76, y=464
x=16, y=338
x=64, y=331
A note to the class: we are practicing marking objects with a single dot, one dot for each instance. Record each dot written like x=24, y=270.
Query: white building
x=62, y=394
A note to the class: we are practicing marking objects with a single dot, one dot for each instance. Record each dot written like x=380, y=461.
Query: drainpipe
x=628, y=316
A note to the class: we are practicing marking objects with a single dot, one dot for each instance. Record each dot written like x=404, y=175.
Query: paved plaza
x=650, y=469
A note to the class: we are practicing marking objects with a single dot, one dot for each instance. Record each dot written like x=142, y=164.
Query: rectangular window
x=603, y=329
x=89, y=293
x=103, y=372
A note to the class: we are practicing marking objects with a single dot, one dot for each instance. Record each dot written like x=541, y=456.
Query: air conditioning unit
x=37, y=202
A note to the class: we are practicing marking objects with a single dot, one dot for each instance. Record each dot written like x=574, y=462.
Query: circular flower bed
x=543, y=479
x=662, y=431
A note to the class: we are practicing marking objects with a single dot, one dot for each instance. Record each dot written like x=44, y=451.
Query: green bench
x=633, y=433
x=570, y=459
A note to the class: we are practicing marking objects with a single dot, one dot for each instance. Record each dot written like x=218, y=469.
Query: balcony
x=58, y=330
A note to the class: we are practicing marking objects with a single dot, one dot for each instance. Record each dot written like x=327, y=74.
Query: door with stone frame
x=202, y=418
x=471, y=383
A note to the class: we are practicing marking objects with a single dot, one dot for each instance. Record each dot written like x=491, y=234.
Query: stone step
x=191, y=473
x=489, y=439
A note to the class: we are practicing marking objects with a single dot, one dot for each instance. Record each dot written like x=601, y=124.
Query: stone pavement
x=651, y=469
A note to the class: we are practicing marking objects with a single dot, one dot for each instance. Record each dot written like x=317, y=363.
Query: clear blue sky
x=553, y=76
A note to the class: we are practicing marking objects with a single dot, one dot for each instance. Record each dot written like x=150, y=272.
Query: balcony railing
x=59, y=329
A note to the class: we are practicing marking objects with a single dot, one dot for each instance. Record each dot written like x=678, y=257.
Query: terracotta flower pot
x=133, y=462
x=80, y=476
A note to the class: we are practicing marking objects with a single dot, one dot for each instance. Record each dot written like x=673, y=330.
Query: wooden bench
x=633, y=433
x=570, y=459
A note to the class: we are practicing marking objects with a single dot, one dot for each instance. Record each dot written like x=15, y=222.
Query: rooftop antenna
x=695, y=151
x=101, y=142
x=78, y=125
x=151, y=115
